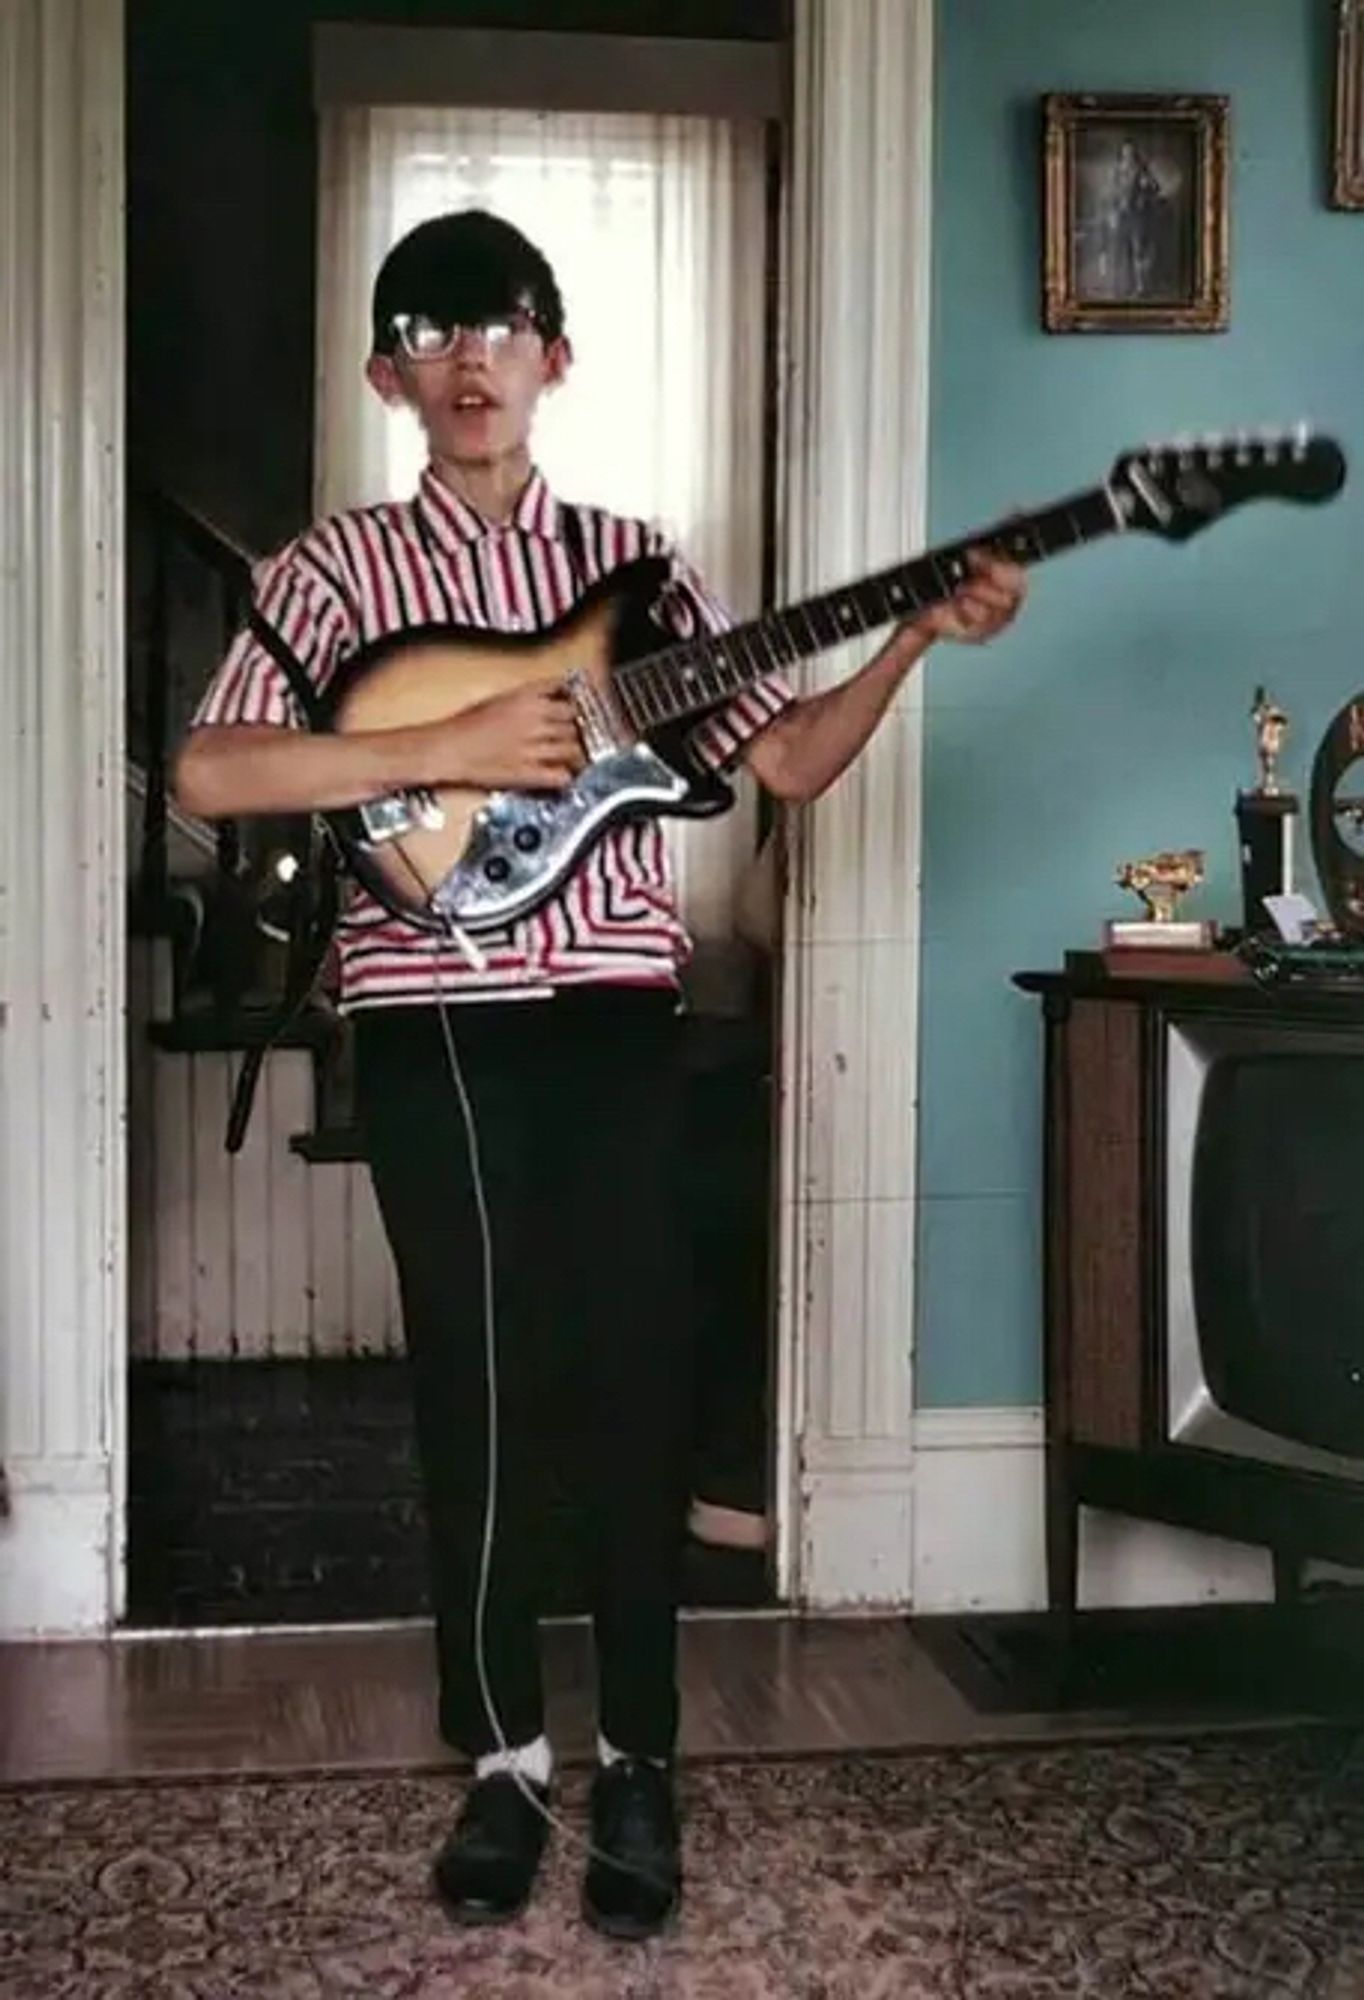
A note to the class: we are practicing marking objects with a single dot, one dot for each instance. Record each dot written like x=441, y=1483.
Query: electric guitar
x=465, y=861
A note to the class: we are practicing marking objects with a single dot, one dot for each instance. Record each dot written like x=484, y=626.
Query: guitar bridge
x=397, y=813
x=598, y=725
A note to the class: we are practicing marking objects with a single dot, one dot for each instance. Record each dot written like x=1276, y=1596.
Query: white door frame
x=854, y=473
x=62, y=1230
x=853, y=488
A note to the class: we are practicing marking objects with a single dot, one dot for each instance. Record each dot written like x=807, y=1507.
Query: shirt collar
x=536, y=511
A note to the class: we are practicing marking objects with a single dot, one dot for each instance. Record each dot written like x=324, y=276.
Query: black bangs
x=464, y=268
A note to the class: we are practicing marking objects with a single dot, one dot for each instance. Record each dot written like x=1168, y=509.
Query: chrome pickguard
x=523, y=844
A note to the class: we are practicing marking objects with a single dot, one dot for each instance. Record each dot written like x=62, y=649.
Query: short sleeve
x=291, y=594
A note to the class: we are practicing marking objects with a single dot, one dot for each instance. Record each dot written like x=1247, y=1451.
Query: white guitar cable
x=489, y=1291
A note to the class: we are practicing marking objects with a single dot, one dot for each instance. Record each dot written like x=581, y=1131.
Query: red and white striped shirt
x=363, y=575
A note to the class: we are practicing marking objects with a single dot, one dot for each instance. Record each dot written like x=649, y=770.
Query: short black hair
x=467, y=265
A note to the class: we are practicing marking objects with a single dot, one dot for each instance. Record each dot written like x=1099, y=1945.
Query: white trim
x=54, y=1567
x=854, y=494
x=980, y=1427
x=979, y=1535
x=518, y=68
x=62, y=806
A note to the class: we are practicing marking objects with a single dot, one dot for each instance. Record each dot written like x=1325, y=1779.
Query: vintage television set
x=1204, y=1260
x=1264, y=1240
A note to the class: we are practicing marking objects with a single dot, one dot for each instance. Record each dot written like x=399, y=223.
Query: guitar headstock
x=1175, y=489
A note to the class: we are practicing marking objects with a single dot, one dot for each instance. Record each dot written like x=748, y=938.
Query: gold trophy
x=1264, y=820
x=1160, y=880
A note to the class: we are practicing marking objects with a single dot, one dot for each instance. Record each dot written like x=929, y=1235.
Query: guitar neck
x=688, y=679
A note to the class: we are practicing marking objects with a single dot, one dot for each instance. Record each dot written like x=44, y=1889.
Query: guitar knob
x=497, y=868
x=527, y=838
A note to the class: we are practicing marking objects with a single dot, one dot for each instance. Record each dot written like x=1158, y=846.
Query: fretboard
x=688, y=679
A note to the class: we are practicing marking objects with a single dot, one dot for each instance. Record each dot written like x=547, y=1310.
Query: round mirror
x=1347, y=806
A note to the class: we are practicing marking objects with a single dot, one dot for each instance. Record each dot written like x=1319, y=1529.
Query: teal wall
x=1113, y=720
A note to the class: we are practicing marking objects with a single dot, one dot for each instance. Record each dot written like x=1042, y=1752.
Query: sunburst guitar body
x=476, y=860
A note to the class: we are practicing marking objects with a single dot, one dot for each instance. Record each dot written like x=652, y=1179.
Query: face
x=477, y=402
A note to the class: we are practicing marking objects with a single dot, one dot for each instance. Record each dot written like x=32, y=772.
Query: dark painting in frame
x=1347, y=176
x=1136, y=213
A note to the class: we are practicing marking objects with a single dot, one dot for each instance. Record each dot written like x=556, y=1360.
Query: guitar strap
x=312, y=918
x=575, y=541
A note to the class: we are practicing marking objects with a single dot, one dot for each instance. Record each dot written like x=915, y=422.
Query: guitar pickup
x=390, y=817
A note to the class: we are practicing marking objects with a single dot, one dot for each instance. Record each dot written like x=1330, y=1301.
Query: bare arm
x=801, y=754
x=525, y=739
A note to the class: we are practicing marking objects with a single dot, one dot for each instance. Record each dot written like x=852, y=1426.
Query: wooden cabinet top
x=1212, y=981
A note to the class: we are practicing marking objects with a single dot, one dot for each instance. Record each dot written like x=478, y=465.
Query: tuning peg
x=1242, y=448
x=1301, y=434
x=1271, y=443
x=1211, y=446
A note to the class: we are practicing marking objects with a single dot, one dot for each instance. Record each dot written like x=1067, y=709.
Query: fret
x=902, y=599
x=1023, y=542
x=851, y=623
x=812, y=640
x=750, y=642
x=696, y=680
x=821, y=615
x=776, y=648
x=719, y=669
x=653, y=692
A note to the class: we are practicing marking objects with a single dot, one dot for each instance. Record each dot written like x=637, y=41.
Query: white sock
x=532, y=1760
x=607, y=1755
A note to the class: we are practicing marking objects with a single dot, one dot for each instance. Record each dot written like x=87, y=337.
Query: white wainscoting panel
x=978, y=1529
x=253, y=1256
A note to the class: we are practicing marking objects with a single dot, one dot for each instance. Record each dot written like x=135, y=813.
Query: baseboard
x=54, y=1569
x=979, y=1542
x=858, y=1537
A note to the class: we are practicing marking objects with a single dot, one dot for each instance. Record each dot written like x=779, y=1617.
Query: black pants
x=577, y=1105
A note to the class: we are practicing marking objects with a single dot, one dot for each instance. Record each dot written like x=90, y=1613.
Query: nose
x=469, y=340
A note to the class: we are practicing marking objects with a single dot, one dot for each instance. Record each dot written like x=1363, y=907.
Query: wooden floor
x=363, y=1698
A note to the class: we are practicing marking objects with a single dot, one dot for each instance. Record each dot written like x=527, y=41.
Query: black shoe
x=486, y=1870
x=634, y=1821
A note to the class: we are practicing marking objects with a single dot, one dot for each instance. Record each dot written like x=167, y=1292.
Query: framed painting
x=1347, y=176
x=1136, y=214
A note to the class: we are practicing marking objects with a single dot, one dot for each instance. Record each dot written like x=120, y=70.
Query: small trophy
x=1160, y=880
x=1264, y=819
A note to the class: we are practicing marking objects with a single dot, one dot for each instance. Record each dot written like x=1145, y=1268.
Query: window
x=656, y=227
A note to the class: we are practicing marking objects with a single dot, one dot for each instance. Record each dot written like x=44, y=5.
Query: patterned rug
x=1175, y=1870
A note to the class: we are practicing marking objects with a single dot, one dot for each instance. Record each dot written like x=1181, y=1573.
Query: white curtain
x=656, y=230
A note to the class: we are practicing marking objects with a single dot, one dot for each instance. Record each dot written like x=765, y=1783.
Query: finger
x=990, y=599
x=995, y=569
x=555, y=776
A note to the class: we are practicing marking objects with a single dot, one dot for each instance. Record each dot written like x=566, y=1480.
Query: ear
x=383, y=375
x=558, y=361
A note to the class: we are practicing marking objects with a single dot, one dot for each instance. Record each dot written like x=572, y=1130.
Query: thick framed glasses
x=423, y=338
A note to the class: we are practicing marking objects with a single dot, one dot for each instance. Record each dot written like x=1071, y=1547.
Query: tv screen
x=1277, y=1243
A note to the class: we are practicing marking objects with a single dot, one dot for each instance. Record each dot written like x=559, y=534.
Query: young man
x=565, y=1036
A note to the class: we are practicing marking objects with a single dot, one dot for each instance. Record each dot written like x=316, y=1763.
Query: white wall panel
x=854, y=479
x=62, y=1276
x=254, y=1255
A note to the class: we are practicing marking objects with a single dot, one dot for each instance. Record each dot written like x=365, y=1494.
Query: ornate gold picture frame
x=1136, y=214
x=1347, y=179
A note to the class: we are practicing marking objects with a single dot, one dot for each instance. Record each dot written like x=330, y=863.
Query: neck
x=491, y=487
